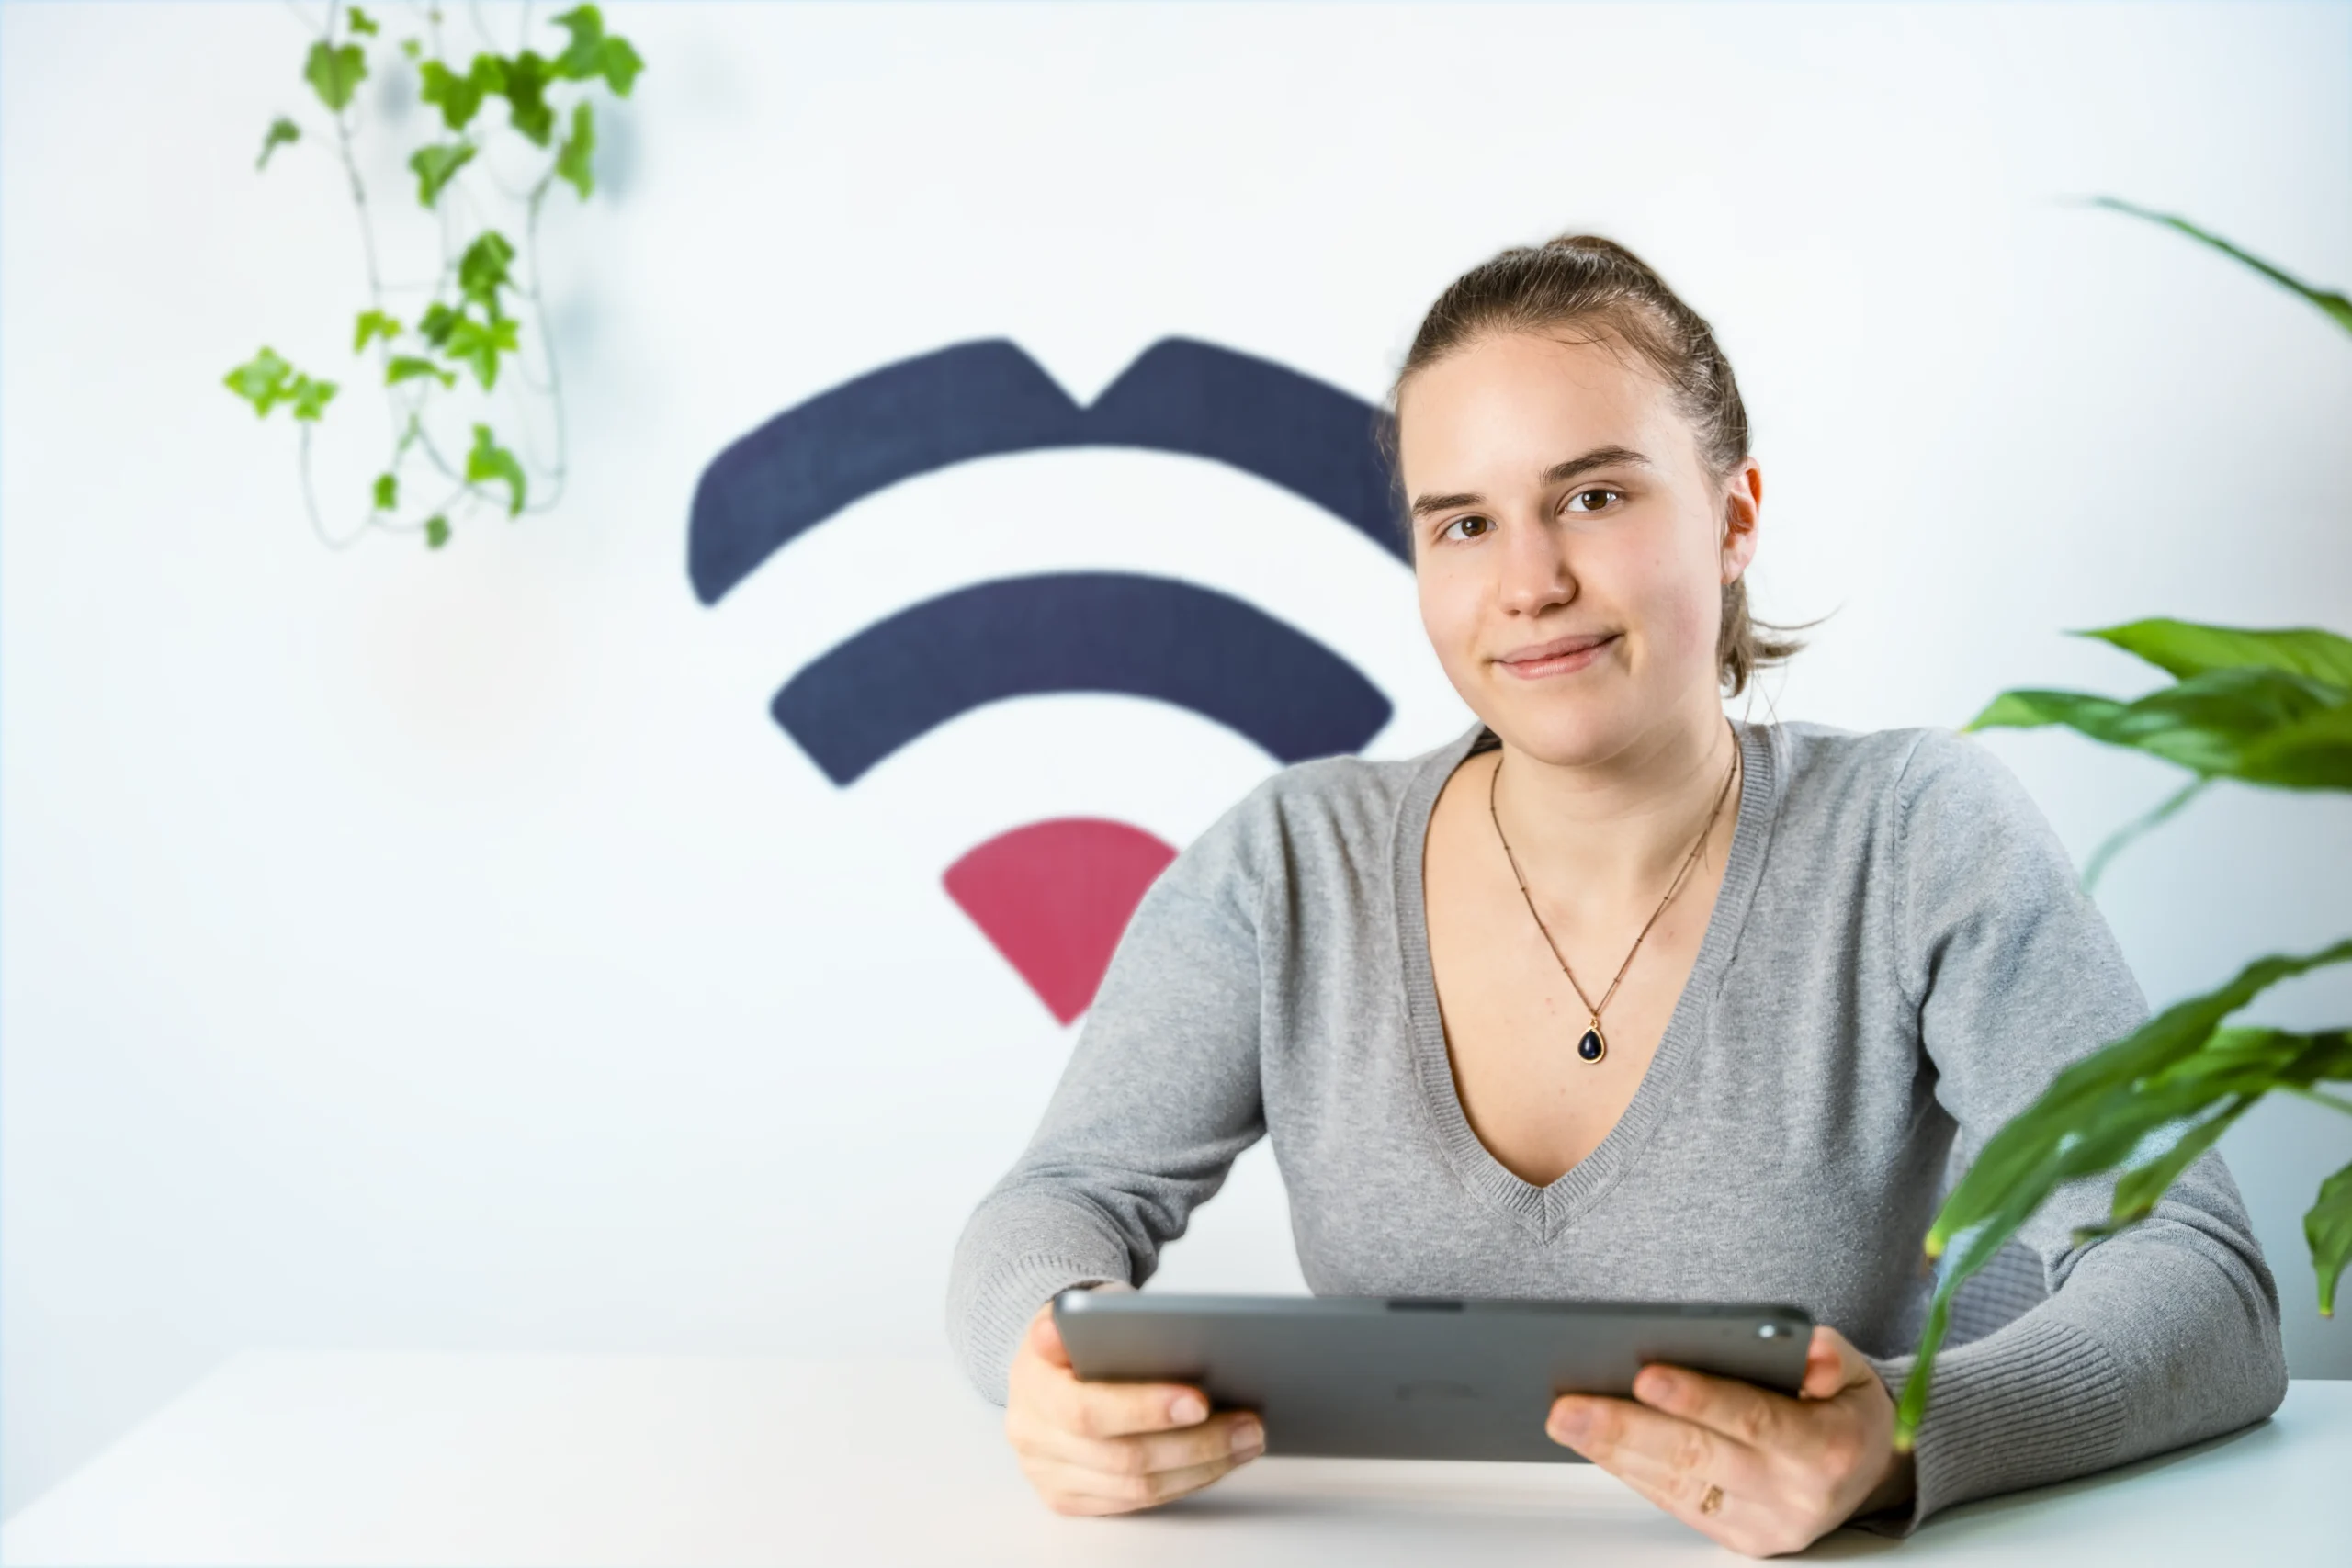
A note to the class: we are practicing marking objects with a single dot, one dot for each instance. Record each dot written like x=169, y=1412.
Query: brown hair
x=1580, y=278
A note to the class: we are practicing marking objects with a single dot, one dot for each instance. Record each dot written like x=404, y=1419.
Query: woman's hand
x=1760, y=1471
x=1107, y=1448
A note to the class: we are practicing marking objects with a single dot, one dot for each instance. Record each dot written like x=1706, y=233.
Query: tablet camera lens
x=1767, y=1331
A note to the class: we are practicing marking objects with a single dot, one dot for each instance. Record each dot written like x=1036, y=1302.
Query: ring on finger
x=1712, y=1499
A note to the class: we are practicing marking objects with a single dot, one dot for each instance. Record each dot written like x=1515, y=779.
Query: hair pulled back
x=1584, y=280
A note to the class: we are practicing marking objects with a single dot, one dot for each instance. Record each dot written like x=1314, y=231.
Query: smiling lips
x=1557, y=657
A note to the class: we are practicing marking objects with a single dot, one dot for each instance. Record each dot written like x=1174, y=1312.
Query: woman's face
x=1570, y=549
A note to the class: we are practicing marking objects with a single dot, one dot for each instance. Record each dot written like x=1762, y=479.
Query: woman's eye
x=1471, y=526
x=1582, y=494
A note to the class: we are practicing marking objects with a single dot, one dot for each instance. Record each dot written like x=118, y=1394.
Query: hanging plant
x=469, y=325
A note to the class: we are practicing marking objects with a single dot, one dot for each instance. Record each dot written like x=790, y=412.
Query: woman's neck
x=1617, y=831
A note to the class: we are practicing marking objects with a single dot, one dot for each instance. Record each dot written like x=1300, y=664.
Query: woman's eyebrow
x=1558, y=473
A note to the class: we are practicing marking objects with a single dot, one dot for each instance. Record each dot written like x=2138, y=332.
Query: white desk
x=344, y=1459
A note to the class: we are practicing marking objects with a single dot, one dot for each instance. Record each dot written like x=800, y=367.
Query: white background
x=447, y=950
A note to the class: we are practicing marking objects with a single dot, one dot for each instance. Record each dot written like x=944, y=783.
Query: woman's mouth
x=1558, y=657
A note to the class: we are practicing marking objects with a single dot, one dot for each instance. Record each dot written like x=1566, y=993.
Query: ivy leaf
x=411, y=48
x=361, y=22
x=479, y=343
x=408, y=367
x=482, y=271
x=436, y=532
x=593, y=52
x=388, y=494
x=438, y=324
x=458, y=96
x=2328, y=1229
x=571, y=160
x=2183, y=648
x=309, y=397
x=260, y=380
x=488, y=460
x=374, y=324
x=2210, y=723
x=436, y=165
x=281, y=131
x=335, y=74
x=527, y=75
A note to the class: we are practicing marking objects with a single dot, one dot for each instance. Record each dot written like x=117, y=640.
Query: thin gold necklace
x=1594, y=1045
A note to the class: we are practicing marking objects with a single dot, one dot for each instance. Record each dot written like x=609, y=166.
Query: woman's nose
x=1535, y=574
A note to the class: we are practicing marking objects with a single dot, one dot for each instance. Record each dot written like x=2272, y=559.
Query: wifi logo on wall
x=1053, y=896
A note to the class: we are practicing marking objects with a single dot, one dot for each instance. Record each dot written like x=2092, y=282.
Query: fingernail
x=1187, y=1408
x=1571, y=1425
x=1248, y=1438
x=1655, y=1385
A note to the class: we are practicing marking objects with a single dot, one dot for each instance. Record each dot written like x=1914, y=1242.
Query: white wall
x=447, y=951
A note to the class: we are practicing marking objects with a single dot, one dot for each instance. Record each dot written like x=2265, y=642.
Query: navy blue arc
x=977, y=400
x=1145, y=637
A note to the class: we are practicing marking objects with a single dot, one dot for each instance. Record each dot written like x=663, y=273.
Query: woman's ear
x=1743, y=500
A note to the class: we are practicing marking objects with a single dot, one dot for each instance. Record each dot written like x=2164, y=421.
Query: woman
x=1614, y=996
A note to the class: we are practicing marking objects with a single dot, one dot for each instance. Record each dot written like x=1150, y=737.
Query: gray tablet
x=1416, y=1378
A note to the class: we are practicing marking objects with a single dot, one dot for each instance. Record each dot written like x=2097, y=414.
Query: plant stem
x=2130, y=830
x=2322, y=1096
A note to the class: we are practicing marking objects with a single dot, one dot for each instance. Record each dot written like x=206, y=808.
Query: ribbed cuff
x=2030, y=1403
x=987, y=1325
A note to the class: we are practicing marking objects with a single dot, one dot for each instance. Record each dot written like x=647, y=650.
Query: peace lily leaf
x=2099, y=1112
x=388, y=494
x=436, y=532
x=571, y=160
x=2183, y=648
x=2328, y=1228
x=2205, y=723
x=260, y=380
x=310, y=397
x=335, y=74
x=408, y=367
x=488, y=460
x=281, y=131
x=2337, y=306
x=527, y=75
x=374, y=324
x=478, y=344
x=436, y=165
x=361, y=22
x=481, y=272
x=458, y=96
x=2169, y=1037
x=2313, y=754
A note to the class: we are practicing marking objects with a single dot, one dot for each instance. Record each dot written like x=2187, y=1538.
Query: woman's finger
x=1668, y=1459
x=1228, y=1433
x=1752, y=1416
x=1071, y=1488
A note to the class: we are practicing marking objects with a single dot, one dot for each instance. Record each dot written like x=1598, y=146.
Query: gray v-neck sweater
x=1899, y=959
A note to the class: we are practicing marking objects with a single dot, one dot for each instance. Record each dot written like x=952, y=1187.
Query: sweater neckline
x=1549, y=1210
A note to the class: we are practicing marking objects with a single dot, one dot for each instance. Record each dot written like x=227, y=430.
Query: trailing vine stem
x=466, y=326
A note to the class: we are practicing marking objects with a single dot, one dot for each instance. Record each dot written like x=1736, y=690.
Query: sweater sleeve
x=2162, y=1335
x=1160, y=1096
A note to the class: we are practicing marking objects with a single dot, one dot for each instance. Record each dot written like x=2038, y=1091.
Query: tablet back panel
x=1401, y=1378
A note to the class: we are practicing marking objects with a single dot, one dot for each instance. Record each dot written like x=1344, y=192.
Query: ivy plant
x=2272, y=708
x=440, y=349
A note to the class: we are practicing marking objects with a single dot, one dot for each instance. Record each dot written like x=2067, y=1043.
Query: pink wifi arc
x=1055, y=896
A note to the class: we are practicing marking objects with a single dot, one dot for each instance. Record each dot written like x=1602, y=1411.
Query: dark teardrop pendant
x=1592, y=1047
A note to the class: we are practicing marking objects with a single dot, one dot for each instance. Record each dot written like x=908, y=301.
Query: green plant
x=2272, y=708
x=466, y=327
